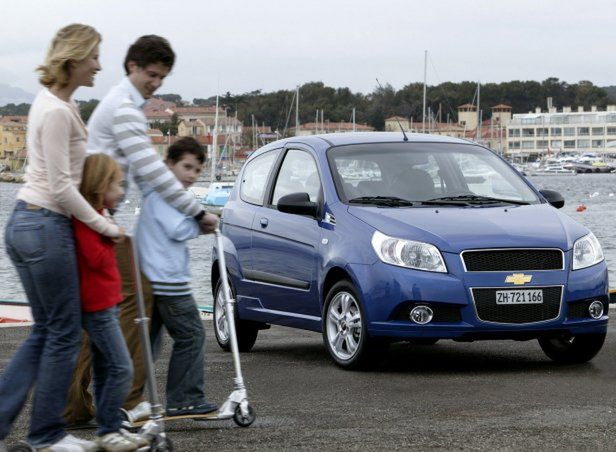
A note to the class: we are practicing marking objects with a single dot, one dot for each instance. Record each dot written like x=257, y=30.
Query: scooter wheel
x=22, y=446
x=244, y=421
x=161, y=444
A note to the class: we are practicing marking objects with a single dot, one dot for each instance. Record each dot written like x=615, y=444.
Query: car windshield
x=425, y=174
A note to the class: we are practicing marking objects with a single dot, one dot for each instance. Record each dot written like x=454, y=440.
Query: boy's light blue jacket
x=162, y=232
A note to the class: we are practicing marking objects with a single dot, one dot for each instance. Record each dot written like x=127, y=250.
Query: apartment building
x=532, y=135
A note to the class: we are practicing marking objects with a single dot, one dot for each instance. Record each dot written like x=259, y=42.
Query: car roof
x=325, y=141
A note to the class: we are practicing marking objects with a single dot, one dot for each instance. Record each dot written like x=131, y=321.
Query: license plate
x=534, y=296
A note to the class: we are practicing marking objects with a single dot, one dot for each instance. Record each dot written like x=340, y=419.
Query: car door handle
x=264, y=222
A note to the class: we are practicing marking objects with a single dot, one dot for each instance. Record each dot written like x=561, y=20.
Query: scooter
x=236, y=406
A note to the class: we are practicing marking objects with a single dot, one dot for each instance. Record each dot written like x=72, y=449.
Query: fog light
x=421, y=315
x=595, y=309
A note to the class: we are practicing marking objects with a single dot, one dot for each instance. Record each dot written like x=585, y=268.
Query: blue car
x=371, y=238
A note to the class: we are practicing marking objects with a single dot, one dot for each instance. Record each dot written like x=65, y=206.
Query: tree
x=175, y=98
x=86, y=108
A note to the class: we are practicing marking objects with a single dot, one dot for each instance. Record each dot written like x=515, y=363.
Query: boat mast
x=214, y=144
x=297, y=111
x=353, y=119
x=423, y=121
x=478, y=135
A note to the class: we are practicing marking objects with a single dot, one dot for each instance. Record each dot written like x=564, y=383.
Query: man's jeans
x=185, y=378
x=113, y=369
x=40, y=244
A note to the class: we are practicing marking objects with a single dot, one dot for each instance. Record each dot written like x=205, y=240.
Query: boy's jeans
x=112, y=366
x=40, y=244
x=185, y=378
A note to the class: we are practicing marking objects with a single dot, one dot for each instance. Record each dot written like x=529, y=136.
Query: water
x=596, y=191
x=200, y=250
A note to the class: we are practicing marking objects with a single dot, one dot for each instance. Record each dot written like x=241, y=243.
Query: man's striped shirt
x=118, y=127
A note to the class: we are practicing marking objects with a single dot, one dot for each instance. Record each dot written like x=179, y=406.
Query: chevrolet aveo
x=373, y=238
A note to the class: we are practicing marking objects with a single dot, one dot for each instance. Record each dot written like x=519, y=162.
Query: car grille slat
x=489, y=311
x=507, y=260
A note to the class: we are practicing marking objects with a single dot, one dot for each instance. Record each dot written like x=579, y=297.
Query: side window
x=298, y=173
x=254, y=179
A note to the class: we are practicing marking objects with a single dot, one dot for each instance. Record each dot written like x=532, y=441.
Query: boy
x=162, y=232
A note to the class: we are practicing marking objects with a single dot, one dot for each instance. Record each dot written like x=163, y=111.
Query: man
x=118, y=127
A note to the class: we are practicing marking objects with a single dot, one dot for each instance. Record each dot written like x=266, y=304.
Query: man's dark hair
x=150, y=49
x=186, y=145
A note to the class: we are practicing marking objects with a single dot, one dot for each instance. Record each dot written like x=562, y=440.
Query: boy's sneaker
x=2, y=446
x=116, y=442
x=71, y=443
x=139, y=440
x=140, y=412
x=204, y=408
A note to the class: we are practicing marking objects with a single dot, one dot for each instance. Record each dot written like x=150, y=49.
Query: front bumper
x=389, y=292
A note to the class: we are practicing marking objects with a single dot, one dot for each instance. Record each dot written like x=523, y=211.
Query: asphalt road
x=495, y=395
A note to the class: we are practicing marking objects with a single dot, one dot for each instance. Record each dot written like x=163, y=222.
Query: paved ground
x=499, y=395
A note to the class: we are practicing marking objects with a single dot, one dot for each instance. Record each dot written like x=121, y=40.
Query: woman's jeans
x=185, y=377
x=41, y=246
x=112, y=366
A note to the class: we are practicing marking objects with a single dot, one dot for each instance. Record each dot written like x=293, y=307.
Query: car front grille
x=489, y=311
x=506, y=260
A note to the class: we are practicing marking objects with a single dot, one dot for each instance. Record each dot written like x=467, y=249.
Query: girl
x=39, y=241
x=100, y=284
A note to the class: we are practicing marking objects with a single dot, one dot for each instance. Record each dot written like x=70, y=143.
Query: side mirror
x=298, y=203
x=553, y=197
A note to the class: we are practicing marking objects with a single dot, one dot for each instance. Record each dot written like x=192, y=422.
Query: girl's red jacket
x=99, y=277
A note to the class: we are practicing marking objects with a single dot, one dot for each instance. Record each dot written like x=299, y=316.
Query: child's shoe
x=138, y=413
x=2, y=446
x=139, y=440
x=204, y=408
x=71, y=443
x=116, y=442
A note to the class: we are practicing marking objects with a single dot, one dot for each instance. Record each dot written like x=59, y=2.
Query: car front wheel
x=344, y=327
x=568, y=349
x=246, y=332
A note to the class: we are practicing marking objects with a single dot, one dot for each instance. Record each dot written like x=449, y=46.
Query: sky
x=245, y=45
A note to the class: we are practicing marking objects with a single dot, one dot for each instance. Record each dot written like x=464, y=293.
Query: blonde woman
x=39, y=241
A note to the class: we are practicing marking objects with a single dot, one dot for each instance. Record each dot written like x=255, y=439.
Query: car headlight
x=586, y=252
x=408, y=253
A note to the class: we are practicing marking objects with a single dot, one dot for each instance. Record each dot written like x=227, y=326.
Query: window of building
x=514, y=132
x=583, y=144
x=569, y=144
x=542, y=132
x=569, y=131
x=542, y=144
x=598, y=130
x=611, y=130
x=556, y=131
x=597, y=143
x=583, y=131
x=514, y=145
x=528, y=144
x=528, y=132
x=556, y=144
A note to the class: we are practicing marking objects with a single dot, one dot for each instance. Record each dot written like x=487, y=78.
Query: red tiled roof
x=502, y=106
x=333, y=126
x=396, y=118
x=471, y=106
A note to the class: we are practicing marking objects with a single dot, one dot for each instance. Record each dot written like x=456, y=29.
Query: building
x=394, y=123
x=535, y=134
x=12, y=139
x=315, y=128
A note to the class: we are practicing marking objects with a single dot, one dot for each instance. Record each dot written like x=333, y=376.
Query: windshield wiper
x=469, y=199
x=389, y=201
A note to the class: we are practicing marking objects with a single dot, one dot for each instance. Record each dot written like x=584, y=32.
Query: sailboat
x=218, y=192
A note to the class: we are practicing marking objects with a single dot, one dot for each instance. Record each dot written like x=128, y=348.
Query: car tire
x=344, y=328
x=245, y=331
x=567, y=349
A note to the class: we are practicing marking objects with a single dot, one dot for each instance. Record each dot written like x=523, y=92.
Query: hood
x=454, y=229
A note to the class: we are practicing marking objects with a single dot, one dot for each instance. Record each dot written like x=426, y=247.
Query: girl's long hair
x=99, y=171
